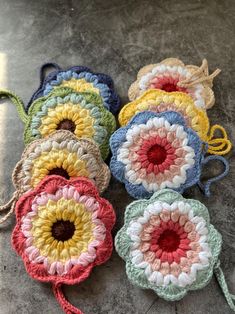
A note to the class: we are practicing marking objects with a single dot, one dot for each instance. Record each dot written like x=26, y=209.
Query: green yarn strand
x=222, y=282
x=17, y=102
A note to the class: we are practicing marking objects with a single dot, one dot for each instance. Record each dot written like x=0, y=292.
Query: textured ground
x=117, y=39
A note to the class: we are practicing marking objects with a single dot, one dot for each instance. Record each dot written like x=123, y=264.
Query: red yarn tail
x=66, y=306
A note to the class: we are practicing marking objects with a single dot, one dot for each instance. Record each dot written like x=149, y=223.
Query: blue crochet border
x=117, y=167
x=102, y=81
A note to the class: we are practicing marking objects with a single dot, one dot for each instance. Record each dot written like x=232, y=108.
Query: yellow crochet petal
x=80, y=116
x=80, y=85
x=62, y=209
x=57, y=159
x=154, y=98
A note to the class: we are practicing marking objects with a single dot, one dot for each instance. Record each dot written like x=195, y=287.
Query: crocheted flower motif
x=172, y=75
x=82, y=79
x=81, y=114
x=62, y=154
x=168, y=244
x=155, y=151
x=63, y=230
x=195, y=118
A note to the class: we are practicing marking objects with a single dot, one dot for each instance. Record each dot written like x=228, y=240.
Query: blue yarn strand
x=206, y=186
x=42, y=77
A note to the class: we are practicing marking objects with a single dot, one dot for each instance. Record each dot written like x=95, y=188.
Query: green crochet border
x=137, y=276
x=107, y=119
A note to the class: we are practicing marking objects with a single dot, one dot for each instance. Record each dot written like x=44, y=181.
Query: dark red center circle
x=169, y=87
x=156, y=154
x=59, y=172
x=66, y=124
x=63, y=230
x=169, y=241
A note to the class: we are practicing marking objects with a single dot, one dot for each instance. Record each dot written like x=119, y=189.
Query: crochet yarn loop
x=17, y=101
x=199, y=76
x=46, y=66
x=11, y=204
x=230, y=298
x=67, y=307
x=205, y=187
x=218, y=146
x=42, y=75
x=23, y=115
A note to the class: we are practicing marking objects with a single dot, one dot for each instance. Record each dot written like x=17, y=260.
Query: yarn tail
x=205, y=187
x=218, y=146
x=230, y=298
x=42, y=76
x=11, y=204
x=47, y=66
x=67, y=307
x=199, y=76
x=17, y=102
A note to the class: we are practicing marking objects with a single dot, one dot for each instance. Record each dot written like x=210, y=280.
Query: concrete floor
x=117, y=39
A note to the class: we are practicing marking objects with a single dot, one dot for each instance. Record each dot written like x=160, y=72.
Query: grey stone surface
x=115, y=37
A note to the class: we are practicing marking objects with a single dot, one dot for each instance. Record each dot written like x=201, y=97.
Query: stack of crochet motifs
x=164, y=141
x=63, y=227
x=165, y=132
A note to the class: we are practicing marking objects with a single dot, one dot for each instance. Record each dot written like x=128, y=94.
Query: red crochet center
x=156, y=154
x=169, y=242
x=167, y=83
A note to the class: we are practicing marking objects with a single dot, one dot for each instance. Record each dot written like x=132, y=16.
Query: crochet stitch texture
x=61, y=153
x=173, y=75
x=63, y=230
x=168, y=244
x=83, y=114
x=79, y=79
x=195, y=118
x=157, y=151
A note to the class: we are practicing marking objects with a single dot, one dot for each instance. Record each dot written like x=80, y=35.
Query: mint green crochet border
x=137, y=276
